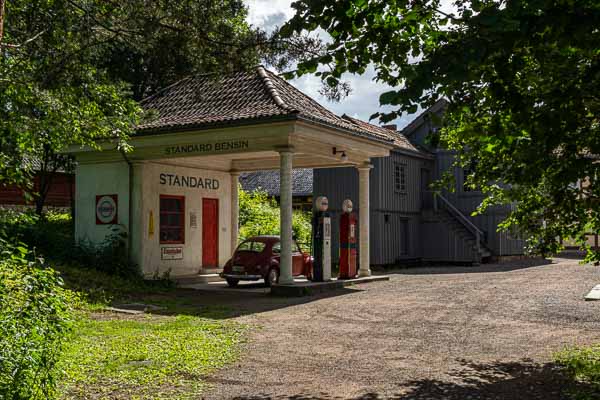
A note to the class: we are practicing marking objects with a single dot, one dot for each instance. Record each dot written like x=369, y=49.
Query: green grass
x=146, y=356
x=153, y=357
x=583, y=366
x=121, y=356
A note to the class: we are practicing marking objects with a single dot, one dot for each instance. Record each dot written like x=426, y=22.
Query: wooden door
x=210, y=233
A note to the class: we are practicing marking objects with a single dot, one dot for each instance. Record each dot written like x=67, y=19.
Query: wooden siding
x=387, y=244
x=60, y=194
x=386, y=197
x=440, y=242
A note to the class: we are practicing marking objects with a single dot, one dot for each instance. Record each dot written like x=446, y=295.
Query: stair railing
x=466, y=222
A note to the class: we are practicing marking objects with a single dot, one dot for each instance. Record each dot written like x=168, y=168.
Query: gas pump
x=347, y=241
x=321, y=241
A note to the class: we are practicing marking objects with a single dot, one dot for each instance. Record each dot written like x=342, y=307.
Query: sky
x=364, y=99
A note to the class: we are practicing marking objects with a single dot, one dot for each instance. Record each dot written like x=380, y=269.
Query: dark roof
x=400, y=141
x=268, y=181
x=437, y=107
x=206, y=101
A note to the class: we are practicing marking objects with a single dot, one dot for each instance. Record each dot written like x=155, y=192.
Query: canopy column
x=363, y=219
x=285, y=179
x=235, y=209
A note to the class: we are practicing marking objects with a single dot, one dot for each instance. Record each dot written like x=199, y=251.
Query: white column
x=363, y=219
x=285, y=190
x=235, y=209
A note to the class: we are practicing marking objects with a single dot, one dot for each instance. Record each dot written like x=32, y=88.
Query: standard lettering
x=189, y=181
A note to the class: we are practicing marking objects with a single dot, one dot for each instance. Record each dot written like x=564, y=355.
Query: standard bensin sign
x=207, y=147
x=189, y=181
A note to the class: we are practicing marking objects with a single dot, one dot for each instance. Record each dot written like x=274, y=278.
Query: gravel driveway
x=439, y=332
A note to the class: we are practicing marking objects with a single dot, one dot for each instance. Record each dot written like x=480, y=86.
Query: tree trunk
x=1, y=19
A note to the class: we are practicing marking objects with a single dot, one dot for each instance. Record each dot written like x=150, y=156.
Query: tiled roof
x=400, y=141
x=206, y=101
x=268, y=181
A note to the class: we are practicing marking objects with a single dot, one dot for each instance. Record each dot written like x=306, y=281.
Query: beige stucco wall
x=97, y=179
x=150, y=254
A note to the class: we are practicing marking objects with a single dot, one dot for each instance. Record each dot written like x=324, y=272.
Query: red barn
x=60, y=193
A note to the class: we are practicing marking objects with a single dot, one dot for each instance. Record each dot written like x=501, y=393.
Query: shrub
x=111, y=256
x=259, y=215
x=35, y=317
x=583, y=365
x=52, y=237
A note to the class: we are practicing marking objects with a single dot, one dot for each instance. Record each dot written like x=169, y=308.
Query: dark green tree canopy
x=522, y=79
x=71, y=71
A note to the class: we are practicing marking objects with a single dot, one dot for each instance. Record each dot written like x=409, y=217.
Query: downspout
x=129, y=205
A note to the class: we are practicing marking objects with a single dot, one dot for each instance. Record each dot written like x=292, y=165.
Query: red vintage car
x=258, y=258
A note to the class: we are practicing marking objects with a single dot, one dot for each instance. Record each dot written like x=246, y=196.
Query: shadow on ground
x=223, y=304
x=461, y=269
x=503, y=380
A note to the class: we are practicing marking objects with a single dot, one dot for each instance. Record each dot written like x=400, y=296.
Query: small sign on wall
x=106, y=209
x=193, y=219
x=171, y=253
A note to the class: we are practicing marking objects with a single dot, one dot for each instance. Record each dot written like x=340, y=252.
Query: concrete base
x=197, y=278
x=594, y=294
x=308, y=288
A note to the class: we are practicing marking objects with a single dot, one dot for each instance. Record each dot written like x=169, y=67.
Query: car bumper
x=241, y=277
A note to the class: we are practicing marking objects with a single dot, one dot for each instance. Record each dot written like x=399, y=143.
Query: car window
x=250, y=245
x=277, y=248
x=258, y=247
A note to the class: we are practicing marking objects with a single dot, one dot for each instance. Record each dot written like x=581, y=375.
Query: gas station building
x=176, y=193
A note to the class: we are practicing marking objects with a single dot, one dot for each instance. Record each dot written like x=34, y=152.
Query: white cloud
x=268, y=13
x=364, y=99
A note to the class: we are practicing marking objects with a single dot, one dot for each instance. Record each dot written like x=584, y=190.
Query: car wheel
x=272, y=277
x=232, y=282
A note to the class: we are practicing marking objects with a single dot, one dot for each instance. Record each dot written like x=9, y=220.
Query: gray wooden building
x=409, y=223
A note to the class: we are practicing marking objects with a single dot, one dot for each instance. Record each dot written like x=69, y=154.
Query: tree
x=71, y=71
x=522, y=79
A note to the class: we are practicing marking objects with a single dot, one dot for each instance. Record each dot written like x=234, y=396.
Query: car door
x=297, y=260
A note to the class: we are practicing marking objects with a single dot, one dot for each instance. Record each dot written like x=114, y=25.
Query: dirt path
x=449, y=332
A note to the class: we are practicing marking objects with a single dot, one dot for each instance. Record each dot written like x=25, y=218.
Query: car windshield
x=251, y=245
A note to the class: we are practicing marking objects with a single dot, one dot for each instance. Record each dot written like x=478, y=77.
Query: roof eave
x=214, y=125
x=414, y=153
x=365, y=135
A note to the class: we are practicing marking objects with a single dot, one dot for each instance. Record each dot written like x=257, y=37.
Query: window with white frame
x=400, y=177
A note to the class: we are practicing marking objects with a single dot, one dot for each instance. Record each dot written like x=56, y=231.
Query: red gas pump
x=347, y=242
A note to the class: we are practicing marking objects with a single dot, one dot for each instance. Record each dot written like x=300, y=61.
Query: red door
x=210, y=233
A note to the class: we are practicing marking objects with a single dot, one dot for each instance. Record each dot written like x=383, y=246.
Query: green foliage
x=52, y=237
x=259, y=215
x=521, y=79
x=111, y=256
x=151, y=358
x=72, y=71
x=583, y=365
x=35, y=318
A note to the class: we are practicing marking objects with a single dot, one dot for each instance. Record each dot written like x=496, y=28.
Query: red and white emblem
x=106, y=209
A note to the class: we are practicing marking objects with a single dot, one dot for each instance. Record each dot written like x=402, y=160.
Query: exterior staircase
x=464, y=242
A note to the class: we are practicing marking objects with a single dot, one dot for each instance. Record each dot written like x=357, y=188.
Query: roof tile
x=207, y=100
